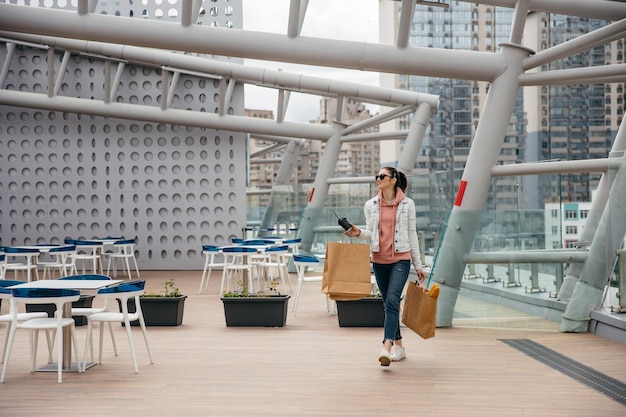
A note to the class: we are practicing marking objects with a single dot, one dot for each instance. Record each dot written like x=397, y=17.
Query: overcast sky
x=355, y=20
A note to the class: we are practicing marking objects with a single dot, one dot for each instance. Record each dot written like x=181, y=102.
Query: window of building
x=571, y=214
x=584, y=214
x=554, y=213
x=555, y=230
x=571, y=230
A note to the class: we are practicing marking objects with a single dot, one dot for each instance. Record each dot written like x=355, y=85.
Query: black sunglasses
x=382, y=176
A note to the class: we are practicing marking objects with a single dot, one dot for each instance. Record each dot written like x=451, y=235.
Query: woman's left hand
x=421, y=275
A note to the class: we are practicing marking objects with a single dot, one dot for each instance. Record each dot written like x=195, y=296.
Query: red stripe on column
x=461, y=193
x=311, y=195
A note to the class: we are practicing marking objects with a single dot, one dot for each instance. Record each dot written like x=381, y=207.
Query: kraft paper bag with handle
x=347, y=272
x=420, y=311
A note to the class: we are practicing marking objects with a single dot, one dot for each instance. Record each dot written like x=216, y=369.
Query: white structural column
x=312, y=213
x=463, y=221
x=281, y=183
x=414, y=139
x=597, y=268
x=598, y=205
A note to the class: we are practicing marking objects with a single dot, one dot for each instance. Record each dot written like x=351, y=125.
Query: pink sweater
x=387, y=227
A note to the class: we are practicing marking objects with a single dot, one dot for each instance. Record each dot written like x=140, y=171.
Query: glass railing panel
x=515, y=219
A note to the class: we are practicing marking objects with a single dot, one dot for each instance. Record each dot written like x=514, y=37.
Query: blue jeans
x=391, y=279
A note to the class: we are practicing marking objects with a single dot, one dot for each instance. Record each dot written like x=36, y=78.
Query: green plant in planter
x=244, y=308
x=170, y=290
x=164, y=308
x=244, y=292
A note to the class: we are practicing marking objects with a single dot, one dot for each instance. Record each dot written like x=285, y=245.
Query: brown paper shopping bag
x=347, y=273
x=420, y=311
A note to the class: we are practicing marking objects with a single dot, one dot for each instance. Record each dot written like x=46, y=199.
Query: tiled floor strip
x=611, y=387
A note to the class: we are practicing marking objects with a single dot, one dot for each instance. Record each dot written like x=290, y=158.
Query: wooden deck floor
x=312, y=367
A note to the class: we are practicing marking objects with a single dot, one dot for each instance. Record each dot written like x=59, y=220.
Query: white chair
x=274, y=265
x=63, y=260
x=87, y=252
x=87, y=311
x=122, y=292
x=124, y=252
x=301, y=263
x=237, y=266
x=294, y=247
x=294, y=244
x=256, y=259
x=5, y=294
x=29, y=264
x=49, y=324
x=210, y=252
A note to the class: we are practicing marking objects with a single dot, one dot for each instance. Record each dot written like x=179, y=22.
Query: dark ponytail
x=402, y=181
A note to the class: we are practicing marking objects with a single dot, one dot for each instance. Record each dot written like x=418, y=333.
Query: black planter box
x=270, y=311
x=366, y=312
x=159, y=311
x=85, y=301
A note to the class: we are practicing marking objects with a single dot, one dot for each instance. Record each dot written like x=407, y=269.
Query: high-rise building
x=262, y=171
x=461, y=26
x=355, y=159
x=548, y=122
x=570, y=122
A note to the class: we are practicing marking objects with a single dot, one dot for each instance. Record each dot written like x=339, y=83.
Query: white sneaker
x=384, y=357
x=397, y=353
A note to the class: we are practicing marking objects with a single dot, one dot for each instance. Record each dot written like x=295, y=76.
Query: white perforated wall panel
x=172, y=187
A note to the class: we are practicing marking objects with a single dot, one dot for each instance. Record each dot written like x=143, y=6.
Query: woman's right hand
x=353, y=231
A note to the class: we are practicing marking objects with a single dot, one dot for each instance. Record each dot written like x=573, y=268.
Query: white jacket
x=405, y=233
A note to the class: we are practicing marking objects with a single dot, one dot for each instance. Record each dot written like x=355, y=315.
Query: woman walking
x=390, y=228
